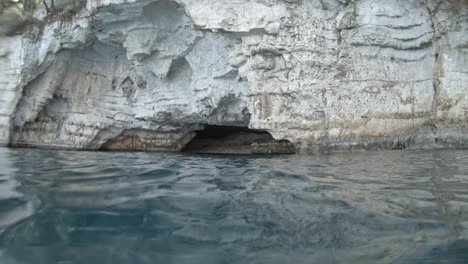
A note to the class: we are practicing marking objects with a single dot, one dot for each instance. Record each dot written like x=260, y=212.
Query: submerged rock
x=148, y=74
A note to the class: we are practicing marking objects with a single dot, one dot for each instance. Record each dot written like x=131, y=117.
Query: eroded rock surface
x=322, y=74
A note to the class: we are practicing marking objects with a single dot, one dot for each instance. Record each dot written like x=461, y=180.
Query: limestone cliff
x=322, y=74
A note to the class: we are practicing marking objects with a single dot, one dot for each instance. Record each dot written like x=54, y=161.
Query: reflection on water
x=132, y=208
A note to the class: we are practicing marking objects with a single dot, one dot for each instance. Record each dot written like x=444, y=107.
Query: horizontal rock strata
x=320, y=74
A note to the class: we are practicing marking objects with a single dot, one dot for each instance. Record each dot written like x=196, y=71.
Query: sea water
x=68, y=207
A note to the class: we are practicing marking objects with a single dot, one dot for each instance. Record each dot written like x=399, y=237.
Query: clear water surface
x=130, y=208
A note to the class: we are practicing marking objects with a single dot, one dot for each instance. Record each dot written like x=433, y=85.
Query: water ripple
x=372, y=207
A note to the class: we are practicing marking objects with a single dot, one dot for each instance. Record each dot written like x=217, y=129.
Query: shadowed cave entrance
x=236, y=140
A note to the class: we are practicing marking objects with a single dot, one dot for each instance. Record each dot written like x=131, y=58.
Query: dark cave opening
x=237, y=140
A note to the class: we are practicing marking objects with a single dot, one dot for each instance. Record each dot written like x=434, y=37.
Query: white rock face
x=323, y=74
x=10, y=75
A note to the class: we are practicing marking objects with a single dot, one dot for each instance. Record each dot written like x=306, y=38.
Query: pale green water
x=132, y=208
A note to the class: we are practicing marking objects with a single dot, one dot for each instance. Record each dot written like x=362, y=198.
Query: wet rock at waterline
x=147, y=75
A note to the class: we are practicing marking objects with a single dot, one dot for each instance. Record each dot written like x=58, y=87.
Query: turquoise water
x=131, y=208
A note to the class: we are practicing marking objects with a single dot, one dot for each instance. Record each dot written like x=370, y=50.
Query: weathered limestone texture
x=322, y=74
